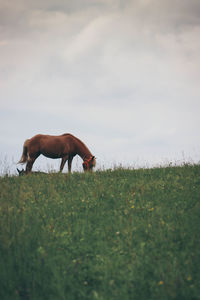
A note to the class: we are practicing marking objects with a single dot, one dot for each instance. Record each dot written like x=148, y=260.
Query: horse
x=64, y=146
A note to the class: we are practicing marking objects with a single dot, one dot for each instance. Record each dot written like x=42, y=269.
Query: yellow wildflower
x=151, y=209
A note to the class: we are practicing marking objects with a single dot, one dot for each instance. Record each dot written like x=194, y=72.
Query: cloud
x=124, y=74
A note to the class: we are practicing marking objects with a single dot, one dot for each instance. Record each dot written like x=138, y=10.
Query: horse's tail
x=24, y=153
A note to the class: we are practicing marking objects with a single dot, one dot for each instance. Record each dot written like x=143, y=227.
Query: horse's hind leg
x=29, y=165
x=30, y=162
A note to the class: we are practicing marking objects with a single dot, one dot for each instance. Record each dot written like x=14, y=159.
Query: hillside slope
x=116, y=234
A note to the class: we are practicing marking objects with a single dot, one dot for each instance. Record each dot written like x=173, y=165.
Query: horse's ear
x=22, y=172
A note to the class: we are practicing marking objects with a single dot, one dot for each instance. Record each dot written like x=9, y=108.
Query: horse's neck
x=83, y=151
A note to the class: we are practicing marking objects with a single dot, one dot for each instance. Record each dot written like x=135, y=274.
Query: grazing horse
x=64, y=146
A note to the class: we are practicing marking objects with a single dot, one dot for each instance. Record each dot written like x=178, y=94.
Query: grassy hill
x=116, y=234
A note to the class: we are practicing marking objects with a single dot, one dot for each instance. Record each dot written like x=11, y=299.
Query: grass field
x=115, y=234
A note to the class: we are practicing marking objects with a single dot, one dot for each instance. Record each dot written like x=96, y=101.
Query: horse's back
x=36, y=137
x=47, y=144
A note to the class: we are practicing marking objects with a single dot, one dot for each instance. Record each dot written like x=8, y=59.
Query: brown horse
x=64, y=146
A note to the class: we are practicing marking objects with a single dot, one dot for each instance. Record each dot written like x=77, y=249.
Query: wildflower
x=160, y=282
x=151, y=209
x=111, y=282
x=189, y=278
x=132, y=206
x=41, y=251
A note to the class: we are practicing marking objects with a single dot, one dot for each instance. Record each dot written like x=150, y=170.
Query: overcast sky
x=123, y=76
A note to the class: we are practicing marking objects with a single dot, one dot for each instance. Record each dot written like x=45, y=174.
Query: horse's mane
x=68, y=134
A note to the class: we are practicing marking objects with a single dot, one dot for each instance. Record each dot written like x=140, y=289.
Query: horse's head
x=21, y=172
x=89, y=164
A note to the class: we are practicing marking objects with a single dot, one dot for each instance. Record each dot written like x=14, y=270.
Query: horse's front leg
x=70, y=164
x=64, y=159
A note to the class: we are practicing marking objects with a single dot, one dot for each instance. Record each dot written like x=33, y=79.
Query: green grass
x=116, y=234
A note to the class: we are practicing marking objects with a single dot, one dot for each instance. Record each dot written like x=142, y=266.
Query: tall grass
x=122, y=234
